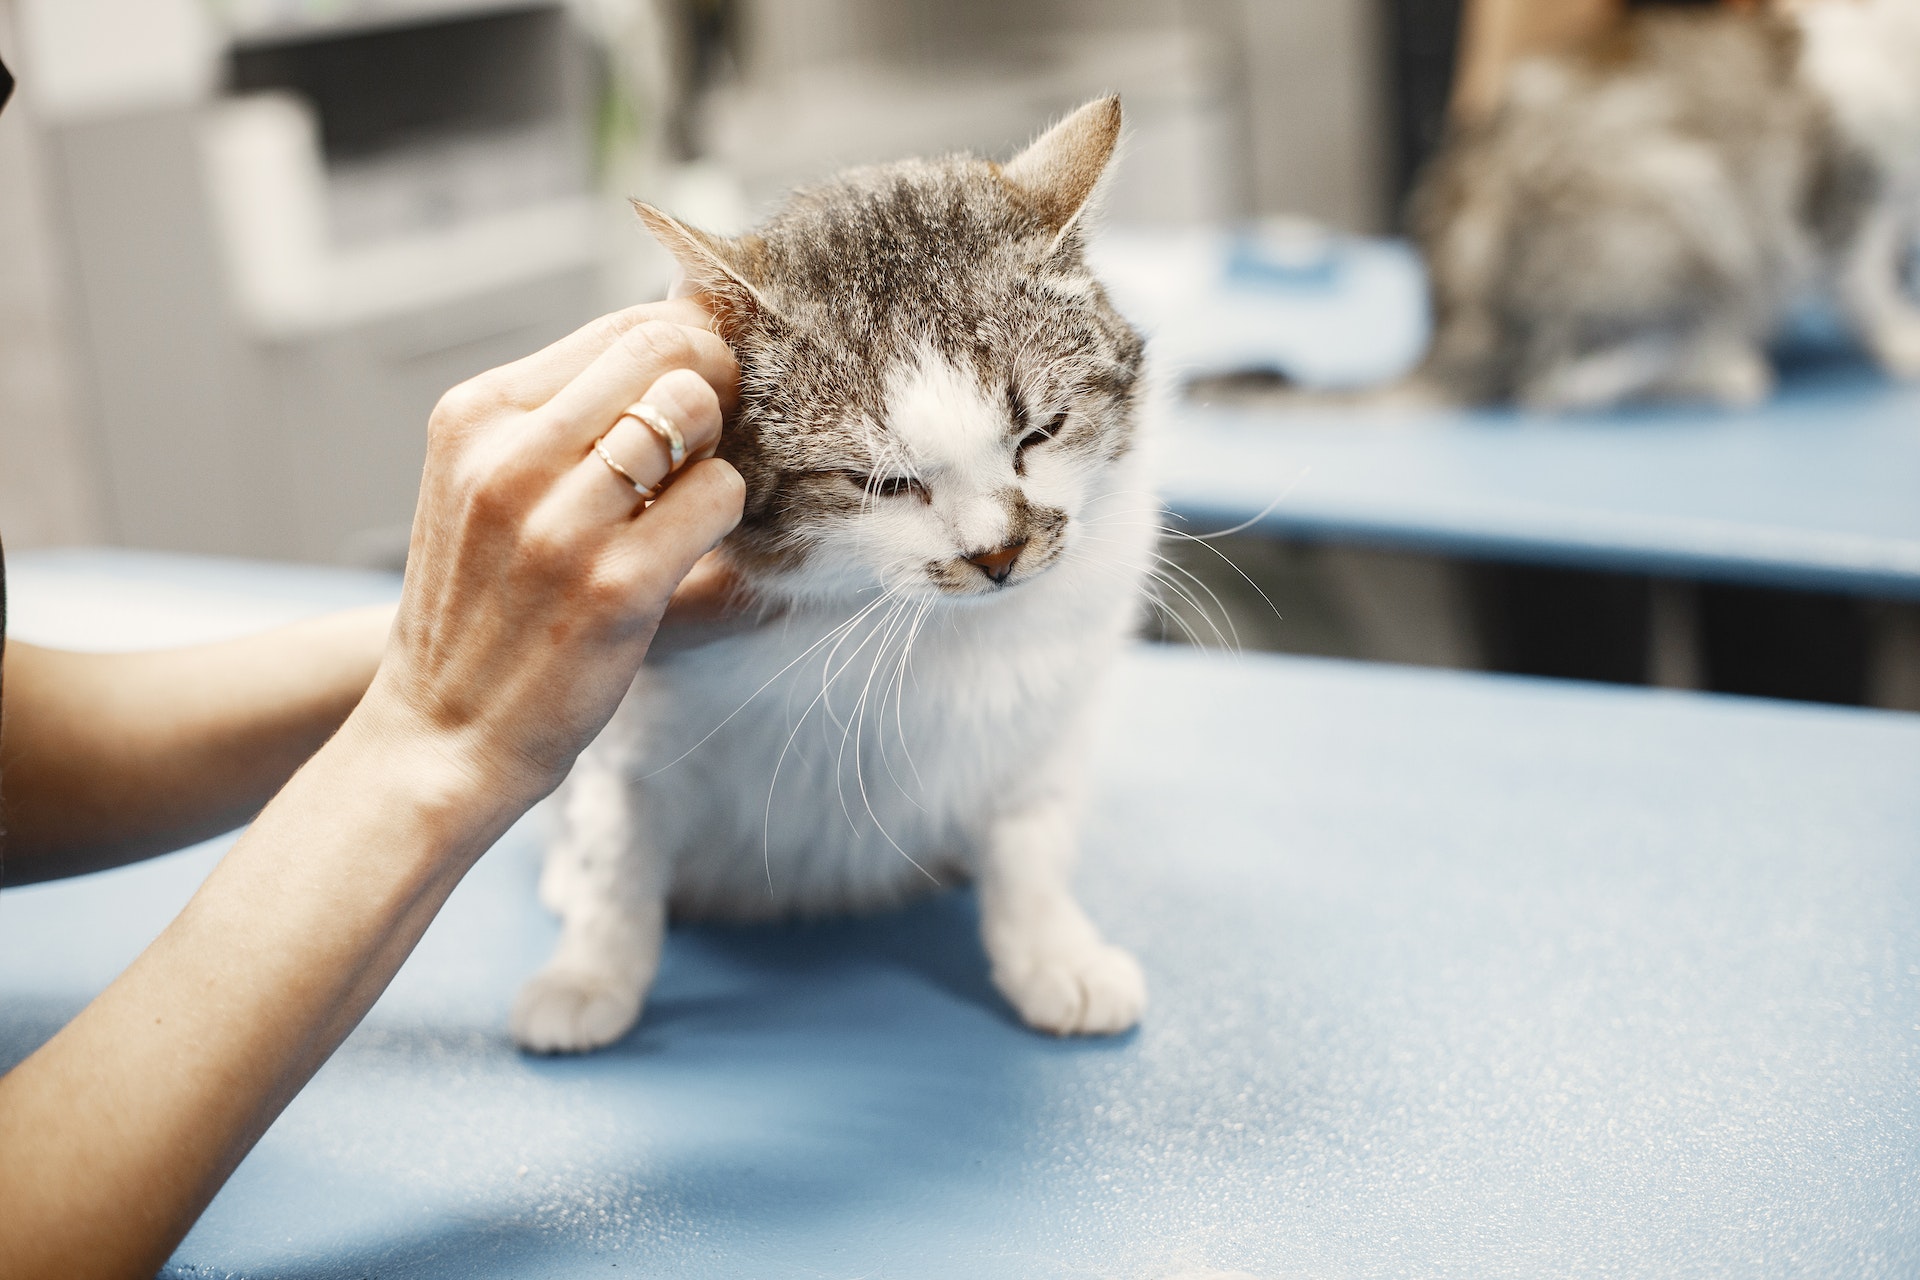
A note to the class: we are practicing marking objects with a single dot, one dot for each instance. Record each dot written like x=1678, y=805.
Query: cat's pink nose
x=997, y=565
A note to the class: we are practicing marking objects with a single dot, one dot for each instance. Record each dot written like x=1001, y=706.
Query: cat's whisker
x=896, y=689
x=797, y=660
x=1158, y=579
x=1168, y=565
x=855, y=727
x=827, y=681
x=900, y=694
x=1253, y=519
x=1184, y=534
x=1192, y=636
x=766, y=835
x=880, y=735
x=1203, y=540
x=1160, y=574
x=860, y=774
x=855, y=731
x=1244, y=576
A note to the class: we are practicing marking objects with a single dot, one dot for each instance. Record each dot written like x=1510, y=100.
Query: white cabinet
x=281, y=260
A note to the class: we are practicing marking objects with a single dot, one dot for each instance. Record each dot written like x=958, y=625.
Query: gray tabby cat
x=1636, y=220
x=949, y=518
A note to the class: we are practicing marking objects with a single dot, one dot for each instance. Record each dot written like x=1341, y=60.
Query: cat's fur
x=1634, y=221
x=930, y=377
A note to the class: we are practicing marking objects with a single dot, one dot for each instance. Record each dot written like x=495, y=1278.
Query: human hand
x=535, y=578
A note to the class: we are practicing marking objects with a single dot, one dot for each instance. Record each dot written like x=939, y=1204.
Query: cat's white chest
x=824, y=764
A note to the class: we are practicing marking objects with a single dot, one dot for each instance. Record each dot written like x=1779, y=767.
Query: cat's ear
x=1058, y=174
x=714, y=265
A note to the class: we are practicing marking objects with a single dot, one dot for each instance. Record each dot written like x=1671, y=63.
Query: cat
x=1636, y=220
x=949, y=512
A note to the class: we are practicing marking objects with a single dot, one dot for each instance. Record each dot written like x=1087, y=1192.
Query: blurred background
x=245, y=245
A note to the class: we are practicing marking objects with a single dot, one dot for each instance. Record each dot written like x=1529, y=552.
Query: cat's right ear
x=714, y=265
x=1058, y=174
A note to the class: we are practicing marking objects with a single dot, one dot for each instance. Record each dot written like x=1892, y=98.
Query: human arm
x=107, y=758
x=110, y=757
x=533, y=590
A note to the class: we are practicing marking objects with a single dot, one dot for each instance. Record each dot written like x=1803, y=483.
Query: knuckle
x=656, y=345
x=697, y=398
x=607, y=593
x=490, y=501
x=692, y=403
x=462, y=406
x=497, y=490
x=721, y=486
x=608, y=329
x=546, y=549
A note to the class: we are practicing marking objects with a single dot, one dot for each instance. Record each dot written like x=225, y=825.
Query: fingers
x=710, y=593
x=691, y=405
x=711, y=603
x=530, y=382
x=585, y=409
x=702, y=507
x=592, y=490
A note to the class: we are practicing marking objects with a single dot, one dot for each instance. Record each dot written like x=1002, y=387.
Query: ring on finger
x=663, y=428
x=626, y=476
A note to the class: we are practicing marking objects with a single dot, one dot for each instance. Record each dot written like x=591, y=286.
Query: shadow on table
x=938, y=941
x=748, y=979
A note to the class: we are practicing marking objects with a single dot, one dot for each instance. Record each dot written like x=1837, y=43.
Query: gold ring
x=663, y=430
x=600, y=447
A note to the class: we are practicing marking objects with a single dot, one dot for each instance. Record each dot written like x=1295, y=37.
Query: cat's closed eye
x=1040, y=435
x=888, y=486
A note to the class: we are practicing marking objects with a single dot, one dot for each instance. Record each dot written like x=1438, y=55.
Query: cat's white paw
x=1897, y=346
x=572, y=1011
x=1090, y=990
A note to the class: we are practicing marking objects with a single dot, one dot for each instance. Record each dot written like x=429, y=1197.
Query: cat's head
x=933, y=385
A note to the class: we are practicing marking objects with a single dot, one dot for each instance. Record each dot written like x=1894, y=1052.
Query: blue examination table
x=1452, y=976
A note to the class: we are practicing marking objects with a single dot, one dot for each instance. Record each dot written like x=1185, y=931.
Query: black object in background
x=1765, y=643
x=397, y=85
x=1568, y=623
x=6, y=85
x=1784, y=644
x=1423, y=41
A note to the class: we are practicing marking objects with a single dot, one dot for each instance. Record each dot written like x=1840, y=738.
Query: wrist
x=463, y=800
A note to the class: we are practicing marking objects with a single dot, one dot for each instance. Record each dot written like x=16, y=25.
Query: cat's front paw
x=1089, y=990
x=572, y=1011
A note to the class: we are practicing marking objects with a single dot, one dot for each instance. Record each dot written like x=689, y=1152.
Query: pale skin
x=389, y=749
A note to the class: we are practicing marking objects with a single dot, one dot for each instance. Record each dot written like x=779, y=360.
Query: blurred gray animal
x=1634, y=221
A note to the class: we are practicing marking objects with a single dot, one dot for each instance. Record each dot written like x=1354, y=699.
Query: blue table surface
x=1452, y=976
x=1817, y=489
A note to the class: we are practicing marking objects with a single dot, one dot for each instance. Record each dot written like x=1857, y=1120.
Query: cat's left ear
x=715, y=266
x=1058, y=174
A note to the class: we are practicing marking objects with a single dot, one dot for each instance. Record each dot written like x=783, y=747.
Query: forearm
x=112, y=757
x=121, y=1128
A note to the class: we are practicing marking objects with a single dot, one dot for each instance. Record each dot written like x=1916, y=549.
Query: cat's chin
x=775, y=598
x=974, y=598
